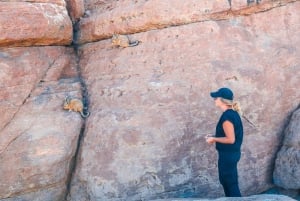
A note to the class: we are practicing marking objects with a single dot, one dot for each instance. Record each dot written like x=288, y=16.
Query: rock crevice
x=136, y=145
x=85, y=100
x=150, y=106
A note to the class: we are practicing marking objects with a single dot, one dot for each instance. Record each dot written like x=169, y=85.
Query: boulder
x=276, y=190
x=104, y=18
x=31, y=24
x=38, y=138
x=150, y=106
x=287, y=172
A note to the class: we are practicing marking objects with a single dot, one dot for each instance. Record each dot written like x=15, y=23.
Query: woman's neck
x=225, y=107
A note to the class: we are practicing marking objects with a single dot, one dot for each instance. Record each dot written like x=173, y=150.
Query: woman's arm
x=229, y=132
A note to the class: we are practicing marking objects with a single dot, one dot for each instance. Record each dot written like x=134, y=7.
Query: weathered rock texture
x=251, y=198
x=104, y=18
x=21, y=69
x=287, y=171
x=37, y=137
x=76, y=9
x=150, y=105
x=34, y=23
x=151, y=108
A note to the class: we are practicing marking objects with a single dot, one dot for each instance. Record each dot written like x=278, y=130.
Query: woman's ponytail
x=234, y=105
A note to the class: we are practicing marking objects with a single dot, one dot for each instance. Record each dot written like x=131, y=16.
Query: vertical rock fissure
x=85, y=100
x=74, y=161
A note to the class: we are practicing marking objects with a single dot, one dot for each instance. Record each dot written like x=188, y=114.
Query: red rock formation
x=109, y=17
x=76, y=9
x=29, y=24
x=151, y=107
x=37, y=137
x=149, y=104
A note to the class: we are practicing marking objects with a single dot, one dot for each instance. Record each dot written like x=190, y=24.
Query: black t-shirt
x=235, y=119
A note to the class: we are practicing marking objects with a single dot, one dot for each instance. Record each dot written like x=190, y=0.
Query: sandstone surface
x=21, y=69
x=150, y=105
x=30, y=24
x=151, y=108
x=136, y=16
x=287, y=172
x=38, y=138
x=104, y=18
x=76, y=9
x=58, y=2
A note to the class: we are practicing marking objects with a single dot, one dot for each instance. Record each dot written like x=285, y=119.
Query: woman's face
x=218, y=102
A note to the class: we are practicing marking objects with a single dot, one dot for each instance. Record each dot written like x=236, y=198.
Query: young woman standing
x=228, y=139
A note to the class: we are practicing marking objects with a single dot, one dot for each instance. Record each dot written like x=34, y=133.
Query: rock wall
x=151, y=108
x=34, y=23
x=38, y=140
x=150, y=105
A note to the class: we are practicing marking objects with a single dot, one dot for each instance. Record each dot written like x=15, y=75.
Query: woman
x=228, y=139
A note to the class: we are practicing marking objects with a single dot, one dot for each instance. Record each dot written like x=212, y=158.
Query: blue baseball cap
x=225, y=93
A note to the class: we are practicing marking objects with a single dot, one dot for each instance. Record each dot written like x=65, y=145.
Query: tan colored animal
x=122, y=41
x=76, y=105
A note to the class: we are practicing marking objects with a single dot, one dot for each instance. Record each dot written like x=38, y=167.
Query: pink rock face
x=37, y=137
x=104, y=18
x=108, y=17
x=21, y=69
x=29, y=24
x=151, y=108
x=150, y=105
x=76, y=9
x=58, y=2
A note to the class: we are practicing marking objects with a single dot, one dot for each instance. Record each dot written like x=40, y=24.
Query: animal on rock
x=122, y=41
x=251, y=1
x=248, y=2
x=76, y=105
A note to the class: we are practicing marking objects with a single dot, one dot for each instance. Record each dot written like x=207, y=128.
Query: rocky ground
x=250, y=198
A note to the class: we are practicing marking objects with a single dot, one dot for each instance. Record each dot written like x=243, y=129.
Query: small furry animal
x=122, y=41
x=248, y=2
x=251, y=1
x=76, y=105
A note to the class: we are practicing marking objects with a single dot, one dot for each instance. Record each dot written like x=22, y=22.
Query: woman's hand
x=210, y=140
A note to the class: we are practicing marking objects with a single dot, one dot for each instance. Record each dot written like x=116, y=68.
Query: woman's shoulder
x=230, y=113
